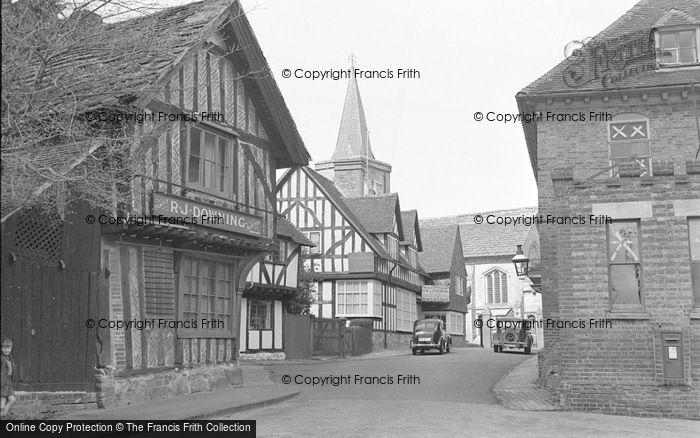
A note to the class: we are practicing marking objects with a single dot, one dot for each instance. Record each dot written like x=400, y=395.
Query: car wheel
x=500, y=348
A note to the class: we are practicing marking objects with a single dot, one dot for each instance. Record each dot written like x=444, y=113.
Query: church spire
x=353, y=135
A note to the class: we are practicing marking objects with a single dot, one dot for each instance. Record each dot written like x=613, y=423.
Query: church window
x=497, y=287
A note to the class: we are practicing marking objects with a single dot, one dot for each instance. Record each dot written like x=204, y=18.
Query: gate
x=331, y=338
x=46, y=311
x=298, y=340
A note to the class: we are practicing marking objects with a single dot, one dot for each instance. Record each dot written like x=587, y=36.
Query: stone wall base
x=395, y=341
x=44, y=404
x=263, y=355
x=116, y=390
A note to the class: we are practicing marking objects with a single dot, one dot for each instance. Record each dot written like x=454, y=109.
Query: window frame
x=459, y=285
x=455, y=319
x=676, y=30
x=367, y=293
x=406, y=310
x=312, y=250
x=628, y=118
x=609, y=262
x=199, y=332
x=280, y=256
x=229, y=165
x=503, y=279
x=694, y=259
x=269, y=311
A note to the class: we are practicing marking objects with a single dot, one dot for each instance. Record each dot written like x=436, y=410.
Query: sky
x=472, y=56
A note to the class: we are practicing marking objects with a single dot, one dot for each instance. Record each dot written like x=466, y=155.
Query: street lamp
x=521, y=262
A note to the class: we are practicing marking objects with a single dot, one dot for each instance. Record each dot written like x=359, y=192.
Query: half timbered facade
x=358, y=264
x=271, y=282
x=171, y=264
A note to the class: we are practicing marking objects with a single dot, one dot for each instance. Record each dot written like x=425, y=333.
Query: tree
x=63, y=62
x=300, y=303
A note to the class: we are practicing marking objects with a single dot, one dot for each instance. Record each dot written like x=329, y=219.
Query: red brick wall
x=617, y=370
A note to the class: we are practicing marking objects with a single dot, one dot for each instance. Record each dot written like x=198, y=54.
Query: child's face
x=6, y=349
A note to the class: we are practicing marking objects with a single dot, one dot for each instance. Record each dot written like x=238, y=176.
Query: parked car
x=430, y=334
x=512, y=333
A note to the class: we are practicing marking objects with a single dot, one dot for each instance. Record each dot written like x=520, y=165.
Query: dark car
x=430, y=334
x=512, y=333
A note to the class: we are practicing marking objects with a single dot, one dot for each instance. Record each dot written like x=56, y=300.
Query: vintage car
x=512, y=333
x=430, y=334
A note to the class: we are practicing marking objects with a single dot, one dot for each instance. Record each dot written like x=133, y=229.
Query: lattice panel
x=38, y=239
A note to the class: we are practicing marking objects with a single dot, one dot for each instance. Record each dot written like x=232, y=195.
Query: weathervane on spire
x=352, y=58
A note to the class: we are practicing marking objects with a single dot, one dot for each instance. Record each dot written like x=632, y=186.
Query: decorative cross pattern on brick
x=623, y=243
x=629, y=131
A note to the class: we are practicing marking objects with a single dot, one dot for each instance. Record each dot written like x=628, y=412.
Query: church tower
x=353, y=168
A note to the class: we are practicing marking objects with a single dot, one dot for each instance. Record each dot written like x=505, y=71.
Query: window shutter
x=159, y=283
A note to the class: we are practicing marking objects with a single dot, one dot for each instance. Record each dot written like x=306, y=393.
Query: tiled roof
x=644, y=16
x=481, y=240
x=377, y=213
x=411, y=229
x=438, y=247
x=143, y=51
x=286, y=229
x=339, y=201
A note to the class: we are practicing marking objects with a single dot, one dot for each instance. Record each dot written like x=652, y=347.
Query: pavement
x=319, y=359
x=257, y=391
x=518, y=389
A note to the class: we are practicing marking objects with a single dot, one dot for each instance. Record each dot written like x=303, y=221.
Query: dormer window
x=678, y=47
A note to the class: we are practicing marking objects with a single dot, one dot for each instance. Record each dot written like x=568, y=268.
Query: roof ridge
x=479, y=212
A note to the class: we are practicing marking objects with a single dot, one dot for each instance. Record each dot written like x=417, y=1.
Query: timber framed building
x=184, y=282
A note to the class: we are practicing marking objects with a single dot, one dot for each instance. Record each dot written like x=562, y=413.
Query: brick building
x=636, y=163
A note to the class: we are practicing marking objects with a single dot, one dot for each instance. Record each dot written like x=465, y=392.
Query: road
x=437, y=395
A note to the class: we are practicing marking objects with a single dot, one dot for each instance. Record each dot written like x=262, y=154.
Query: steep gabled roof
x=147, y=49
x=411, y=229
x=438, y=247
x=337, y=199
x=644, y=16
x=378, y=214
x=353, y=135
x=484, y=240
x=286, y=229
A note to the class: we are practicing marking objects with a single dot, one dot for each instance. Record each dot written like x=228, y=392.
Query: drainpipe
x=391, y=271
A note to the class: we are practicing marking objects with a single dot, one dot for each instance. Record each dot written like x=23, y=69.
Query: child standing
x=7, y=393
